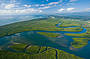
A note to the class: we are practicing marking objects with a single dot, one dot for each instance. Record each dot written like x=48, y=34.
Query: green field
x=36, y=52
x=85, y=25
x=46, y=25
x=69, y=23
x=42, y=52
x=49, y=34
x=18, y=47
x=79, y=42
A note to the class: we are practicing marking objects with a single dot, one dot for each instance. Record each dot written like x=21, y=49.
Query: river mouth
x=62, y=43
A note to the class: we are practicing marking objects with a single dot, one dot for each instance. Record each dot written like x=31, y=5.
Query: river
x=62, y=43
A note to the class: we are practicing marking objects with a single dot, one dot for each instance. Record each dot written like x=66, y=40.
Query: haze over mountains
x=78, y=15
x=7, y=19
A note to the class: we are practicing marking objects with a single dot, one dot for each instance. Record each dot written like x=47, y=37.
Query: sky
x=15, y=7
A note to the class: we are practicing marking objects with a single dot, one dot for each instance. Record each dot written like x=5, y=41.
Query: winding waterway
x=35, y=38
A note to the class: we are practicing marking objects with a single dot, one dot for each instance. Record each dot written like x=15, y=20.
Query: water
x=62, y=43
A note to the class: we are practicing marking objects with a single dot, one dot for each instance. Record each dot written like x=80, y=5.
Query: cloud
x=46, y=7
x=66, y=10
x=28, y=6
x=23, y=11
x=87, y=9
x=60, y=10
x=9, y=6
x=53, y=3
x=42, y=5
x=73, y=0
x=70, y=9
x=37, y=5
x=40, y=11
x=47, y=0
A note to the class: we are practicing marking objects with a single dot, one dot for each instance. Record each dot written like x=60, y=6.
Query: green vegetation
x=64, y=55
x=79, y=42
x=69, y=23
x=77, y=35
x=83, y=37
x=33, y=49
x=75, y=29
x=87, y=34
x=49, y=34
x=18, y=47
x=36, y=25
x=47, y=25
x=38, y=53
x=85, y=25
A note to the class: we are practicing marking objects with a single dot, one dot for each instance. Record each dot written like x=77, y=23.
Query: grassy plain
x=79, y=42
x=37, y=52
x=49, y=34
x=36, y=25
